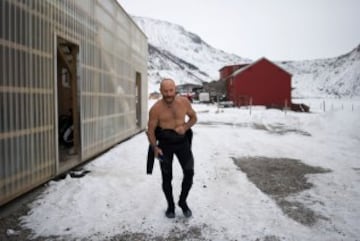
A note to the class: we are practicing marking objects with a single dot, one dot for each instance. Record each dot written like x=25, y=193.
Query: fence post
x=250, y=104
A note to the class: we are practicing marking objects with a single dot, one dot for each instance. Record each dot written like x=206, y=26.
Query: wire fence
x=328, y=104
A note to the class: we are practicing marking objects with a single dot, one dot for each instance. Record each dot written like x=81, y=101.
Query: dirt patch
x=191, y=233
x=10, y=228
x=280, y=177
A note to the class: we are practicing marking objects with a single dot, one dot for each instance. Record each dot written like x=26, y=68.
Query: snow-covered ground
x=118, y=197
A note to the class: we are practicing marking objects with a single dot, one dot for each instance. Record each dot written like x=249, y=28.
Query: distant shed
x=259, y=83
x=73, y=83
x=227, y=70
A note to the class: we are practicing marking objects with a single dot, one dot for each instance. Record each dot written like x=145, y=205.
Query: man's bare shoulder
x=156, y=106
x=183, y=100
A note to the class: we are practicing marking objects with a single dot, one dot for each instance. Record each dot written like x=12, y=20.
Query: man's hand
x=157, y=152
x=180, y=129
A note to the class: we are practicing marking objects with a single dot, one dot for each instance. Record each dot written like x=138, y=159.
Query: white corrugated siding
x=111, y=51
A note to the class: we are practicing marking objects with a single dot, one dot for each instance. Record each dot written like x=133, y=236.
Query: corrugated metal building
x=260, y=83
x=73, y=83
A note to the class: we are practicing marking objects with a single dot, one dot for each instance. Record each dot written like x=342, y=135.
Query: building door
x=67, y=104
x=138, y=99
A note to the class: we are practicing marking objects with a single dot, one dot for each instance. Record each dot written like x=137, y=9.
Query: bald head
x=168, y=90
x=166, y=83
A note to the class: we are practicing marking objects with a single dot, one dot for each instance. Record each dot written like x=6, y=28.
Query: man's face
x=168, y=91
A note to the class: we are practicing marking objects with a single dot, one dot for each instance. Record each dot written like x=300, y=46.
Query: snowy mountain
x=185, y=57
x=338, y=76
x=181, y=55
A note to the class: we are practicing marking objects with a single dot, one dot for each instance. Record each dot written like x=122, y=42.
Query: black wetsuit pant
x=172, y=143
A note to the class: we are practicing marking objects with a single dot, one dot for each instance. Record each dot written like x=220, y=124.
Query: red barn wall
x=262, y=83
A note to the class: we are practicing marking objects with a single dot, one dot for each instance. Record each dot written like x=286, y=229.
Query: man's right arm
x=152, y=123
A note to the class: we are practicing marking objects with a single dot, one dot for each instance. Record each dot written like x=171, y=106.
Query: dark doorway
x=67, y=103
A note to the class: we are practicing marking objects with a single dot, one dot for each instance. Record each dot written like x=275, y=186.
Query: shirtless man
x=167, y=117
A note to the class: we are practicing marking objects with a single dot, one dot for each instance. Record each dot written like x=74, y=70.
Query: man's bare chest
x=172, y=113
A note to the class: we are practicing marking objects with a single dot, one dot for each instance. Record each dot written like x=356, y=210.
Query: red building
x=229, y=69
x=259, y=83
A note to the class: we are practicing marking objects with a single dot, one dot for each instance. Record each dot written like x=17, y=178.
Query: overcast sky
x=276, y=29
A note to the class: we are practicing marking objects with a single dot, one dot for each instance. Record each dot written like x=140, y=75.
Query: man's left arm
x=192, y=117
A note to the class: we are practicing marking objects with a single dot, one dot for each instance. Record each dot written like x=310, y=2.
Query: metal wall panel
x=26, y=94
x=108, y=63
